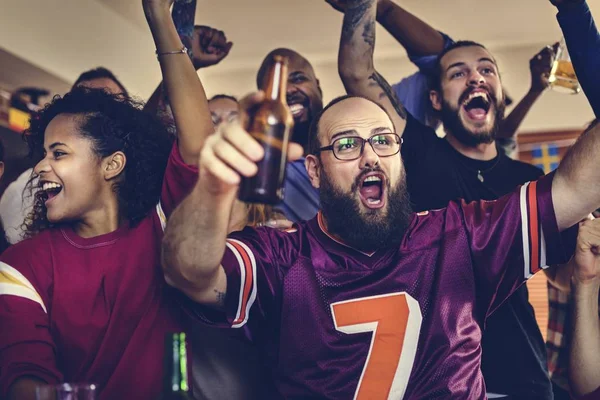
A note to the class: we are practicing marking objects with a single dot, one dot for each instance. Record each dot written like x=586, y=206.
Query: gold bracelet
x=183, y=50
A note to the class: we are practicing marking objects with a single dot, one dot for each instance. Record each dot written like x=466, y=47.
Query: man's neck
x=482, y=152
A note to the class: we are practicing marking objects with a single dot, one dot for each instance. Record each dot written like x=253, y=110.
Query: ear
x=313, y=167
x=1, y=169
x=436, y=100
x=113, y=165
x=319, y=87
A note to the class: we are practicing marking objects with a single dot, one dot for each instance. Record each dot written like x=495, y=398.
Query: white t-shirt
x=14, y=207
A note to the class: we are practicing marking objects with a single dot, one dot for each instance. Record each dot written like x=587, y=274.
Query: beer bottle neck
x=176, y=374
x=277, y=84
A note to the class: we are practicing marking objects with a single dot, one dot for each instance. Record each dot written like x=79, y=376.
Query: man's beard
x=370, y=230
x=454, y=125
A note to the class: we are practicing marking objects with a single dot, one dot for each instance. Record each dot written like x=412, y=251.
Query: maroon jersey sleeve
x=26, y=345
x=255, y=262
x=177, y=183
x=513, y=238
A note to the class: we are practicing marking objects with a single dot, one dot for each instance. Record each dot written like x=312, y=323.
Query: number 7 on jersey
x=395, y=320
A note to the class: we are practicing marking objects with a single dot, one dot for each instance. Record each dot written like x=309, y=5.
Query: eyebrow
x=344, y=133
x=353, y=132
x=381, y=130
x=296, y=73
x=460, y=64
x=56, y=144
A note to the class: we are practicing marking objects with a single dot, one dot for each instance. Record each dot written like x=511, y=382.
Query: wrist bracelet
x=183, y=50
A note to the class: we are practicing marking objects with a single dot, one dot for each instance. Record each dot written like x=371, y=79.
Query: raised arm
x=183, y=87
x=209, y=47
x=194, y=241
x=418, y=38
x=583, y=40
x=540, y=66
x=355, y=60
x=575, y=189
x=584, y=362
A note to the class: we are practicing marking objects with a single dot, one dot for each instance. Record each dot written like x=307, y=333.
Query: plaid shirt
x=557, y=340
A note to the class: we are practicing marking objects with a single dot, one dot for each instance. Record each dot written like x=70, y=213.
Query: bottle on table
x=176, y=383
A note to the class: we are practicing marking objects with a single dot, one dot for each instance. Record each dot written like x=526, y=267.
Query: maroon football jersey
x=405, y=322
x=95, y=309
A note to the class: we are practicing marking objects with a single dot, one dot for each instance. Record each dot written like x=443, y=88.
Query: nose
x=476, y=79
x=291, y=89
x=369, y=158
x=42, y=167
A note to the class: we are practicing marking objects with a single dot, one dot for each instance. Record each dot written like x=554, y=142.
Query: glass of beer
x=66, y=391
x=562, y=77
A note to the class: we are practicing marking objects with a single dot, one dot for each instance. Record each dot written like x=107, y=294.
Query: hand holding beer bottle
x=233, y=153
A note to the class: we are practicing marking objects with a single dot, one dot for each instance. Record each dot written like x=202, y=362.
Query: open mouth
x=51, y=190
x=298, y=107
x=372, y=190
x=297, y=110
x=477, y=105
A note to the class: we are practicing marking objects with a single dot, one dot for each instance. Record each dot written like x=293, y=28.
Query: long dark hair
x=112, y=123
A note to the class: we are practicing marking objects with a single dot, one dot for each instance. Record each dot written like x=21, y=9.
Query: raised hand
x=587, y=253
x=232, y=152
x=209, y=46
x=541, y=66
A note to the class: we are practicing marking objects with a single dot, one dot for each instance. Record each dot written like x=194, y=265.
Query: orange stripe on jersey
x=534, y=236
x=247, y=284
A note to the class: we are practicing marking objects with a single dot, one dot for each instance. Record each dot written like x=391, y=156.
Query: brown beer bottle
x=270, y=125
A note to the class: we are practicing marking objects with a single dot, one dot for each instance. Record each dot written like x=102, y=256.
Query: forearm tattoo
x=388, y=91
x=220, y=298
x=357, y=15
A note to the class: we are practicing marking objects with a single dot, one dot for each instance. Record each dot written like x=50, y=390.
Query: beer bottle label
x=267, y=185
x=272, y=136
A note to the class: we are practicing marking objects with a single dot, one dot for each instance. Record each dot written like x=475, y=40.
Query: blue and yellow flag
x=546, y=156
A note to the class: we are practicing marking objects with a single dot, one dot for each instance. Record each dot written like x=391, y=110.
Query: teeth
x=373, y=179
x=50, y=185
x=373, y=201
x=296, y=108
x=474, y=95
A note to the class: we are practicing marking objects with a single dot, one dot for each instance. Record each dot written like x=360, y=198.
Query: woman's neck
x=98, y=223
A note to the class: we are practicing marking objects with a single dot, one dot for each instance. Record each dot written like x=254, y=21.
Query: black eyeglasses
x=350, y=148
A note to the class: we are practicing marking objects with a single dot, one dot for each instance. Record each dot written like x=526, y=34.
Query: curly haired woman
x=83, y=299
